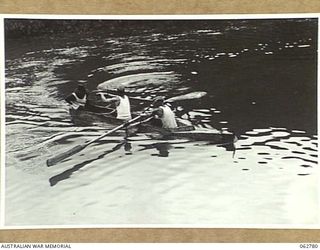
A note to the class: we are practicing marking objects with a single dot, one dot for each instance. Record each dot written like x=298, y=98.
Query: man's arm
x=109, y=100
x=158, y=113
x=70, y=99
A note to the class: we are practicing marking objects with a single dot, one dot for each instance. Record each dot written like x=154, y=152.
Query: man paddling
x=162, y=110
x=78, y=99
x=122, y=103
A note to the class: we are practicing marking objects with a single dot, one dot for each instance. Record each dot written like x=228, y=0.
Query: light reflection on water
x=170, y=181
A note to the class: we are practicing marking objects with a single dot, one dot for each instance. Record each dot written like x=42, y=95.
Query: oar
x=189, y=96
x=54, y=160
x=131, y=97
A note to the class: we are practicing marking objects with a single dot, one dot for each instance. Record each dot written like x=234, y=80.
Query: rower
x=78, y=98
x=163, y=111
x=122, y=103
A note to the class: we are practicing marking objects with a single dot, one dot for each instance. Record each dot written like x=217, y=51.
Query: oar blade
x=54, y=160
x=189, y=96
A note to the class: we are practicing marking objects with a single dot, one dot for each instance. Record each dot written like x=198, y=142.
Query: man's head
x=121, y=90
x=158, y=101
x=81, y=89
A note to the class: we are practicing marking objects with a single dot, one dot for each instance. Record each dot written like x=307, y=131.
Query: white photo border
x=140, y=17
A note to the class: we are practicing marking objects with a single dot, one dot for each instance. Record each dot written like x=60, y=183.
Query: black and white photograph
x=160, y=121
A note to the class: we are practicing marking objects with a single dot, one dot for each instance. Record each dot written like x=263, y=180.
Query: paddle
x=189, y=96
x=54, y=160
x=131, y=97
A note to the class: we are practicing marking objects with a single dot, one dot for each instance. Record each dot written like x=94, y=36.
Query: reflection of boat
x=184, y=131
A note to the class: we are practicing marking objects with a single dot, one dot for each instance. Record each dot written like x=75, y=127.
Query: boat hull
x=184, y=131
x=82, y=117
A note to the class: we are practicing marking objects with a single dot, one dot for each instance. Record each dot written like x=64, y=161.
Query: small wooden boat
x=91, y=115
x=185, y=130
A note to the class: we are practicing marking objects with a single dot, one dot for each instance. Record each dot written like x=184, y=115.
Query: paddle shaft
x=112, y=130
x=54, y=160
x=131, y=97
x=189, y=96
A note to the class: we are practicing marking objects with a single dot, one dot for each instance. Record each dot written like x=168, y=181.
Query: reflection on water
x=66, y=174
x=280, y=145
x=261, y=85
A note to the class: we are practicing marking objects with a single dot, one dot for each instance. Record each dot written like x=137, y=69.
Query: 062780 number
x=309, y=245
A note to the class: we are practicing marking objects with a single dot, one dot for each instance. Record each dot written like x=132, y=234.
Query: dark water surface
x=261, y=80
